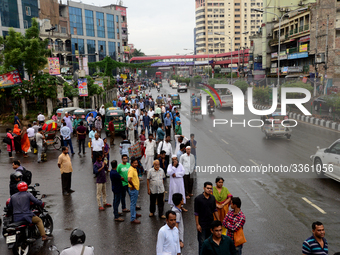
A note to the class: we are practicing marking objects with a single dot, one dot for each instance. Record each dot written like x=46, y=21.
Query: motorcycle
x=21, y=235
x=158, y=89
x=211, y=109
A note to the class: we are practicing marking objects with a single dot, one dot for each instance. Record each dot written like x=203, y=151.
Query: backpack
x=155, y=123
x=7, y=140
x=27, y=176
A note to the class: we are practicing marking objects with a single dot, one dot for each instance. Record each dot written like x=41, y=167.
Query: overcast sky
x=158, y=27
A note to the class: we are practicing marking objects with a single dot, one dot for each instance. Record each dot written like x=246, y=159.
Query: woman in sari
x=106, y=152
x=17, y=138
x=223, y=199
x=10, y=147
x=25, y=142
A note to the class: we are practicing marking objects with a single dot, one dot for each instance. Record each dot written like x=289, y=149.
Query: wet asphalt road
x=278, y=219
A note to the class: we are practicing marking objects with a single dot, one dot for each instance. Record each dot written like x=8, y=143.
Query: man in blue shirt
x=146, y=122
x=114, y=103
x=160, y=132
x=141, y=104
x=316, y=244
x=16, y=119
x=66, y=133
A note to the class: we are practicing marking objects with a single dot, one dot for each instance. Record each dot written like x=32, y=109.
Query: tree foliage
x=262, y=94
x=108, y=64
x=27, y=50
x=242, y=85
x=137, y=53
x=297, y=84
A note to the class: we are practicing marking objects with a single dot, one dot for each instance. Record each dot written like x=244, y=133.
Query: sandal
x=126, y=210
x=119, y=219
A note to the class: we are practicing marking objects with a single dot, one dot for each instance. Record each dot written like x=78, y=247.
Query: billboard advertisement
x=53, y=66
x=122, y=10
x=82, y=86
x=9, y=79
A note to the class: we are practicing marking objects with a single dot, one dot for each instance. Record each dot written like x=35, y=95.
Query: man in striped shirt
x=316, y=244
x=234, y=220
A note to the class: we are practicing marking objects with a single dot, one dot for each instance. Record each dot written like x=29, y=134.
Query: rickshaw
x=276, y=125
x=118, y=119
x=51, y=137
x=196, y=107
x=175, y=100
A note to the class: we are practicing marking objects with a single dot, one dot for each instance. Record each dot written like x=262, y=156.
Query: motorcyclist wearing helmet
x=211, y=102
x=15, y=178
x=20, y=205
x=77, y=239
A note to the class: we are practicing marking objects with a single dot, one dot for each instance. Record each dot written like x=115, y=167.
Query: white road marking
x=314, y=205
x=253, y=162
x=225, y=141
x=210, y=131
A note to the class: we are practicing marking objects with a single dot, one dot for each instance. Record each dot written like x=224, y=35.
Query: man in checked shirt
x=234, y=220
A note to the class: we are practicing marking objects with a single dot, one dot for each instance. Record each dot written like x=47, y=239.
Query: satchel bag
x=239, y=237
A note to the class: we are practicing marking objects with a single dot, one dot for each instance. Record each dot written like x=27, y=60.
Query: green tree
x=137, y=53
x=242, y=85
x=25, y=50
x=262, y=94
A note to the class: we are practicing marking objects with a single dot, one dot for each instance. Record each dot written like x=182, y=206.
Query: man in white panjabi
x=176, y=172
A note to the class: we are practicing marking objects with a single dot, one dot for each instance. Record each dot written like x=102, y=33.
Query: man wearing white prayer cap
x=188, y=162
x=176, y=172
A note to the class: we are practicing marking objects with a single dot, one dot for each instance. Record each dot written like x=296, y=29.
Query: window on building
x=216, y=39
x=245, y=16
x=211, y=51
x=237, y=15
x=237, y=33
x=237, y=38
x=237, y=27
x=221, y=10
x=215, y=21
x=76, y=21
x=221, y=4
x=63, y=30
x=209, y=10
x=237, y=21
x=258, y=4
x=237, y=44
x=100, y=24
x=210, y=39
x=237, y=4
x=215, y=16
x=215, y=27
x=252, y=15
x=221, y=16
x=28, y=10
x=210, y=27
x=245, y=4
x=215, y=4
x=237, y=10
x=209, y=16
x=221, y=27
x=245, y=27
x=110, y=24
x=89, y=23
x=101, y=49
x=209, y=4
x=252, y=4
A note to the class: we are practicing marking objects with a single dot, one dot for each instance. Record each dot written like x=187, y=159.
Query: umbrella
x=49, y=125
x=94, y=115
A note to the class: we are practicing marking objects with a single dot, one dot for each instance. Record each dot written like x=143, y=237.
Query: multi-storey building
x=96, y=32
x=55, y=26
x=17, y=14
x=223, y=26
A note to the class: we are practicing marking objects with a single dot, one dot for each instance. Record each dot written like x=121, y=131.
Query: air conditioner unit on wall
x=287, y=9
x=274, y=19
x=282, y=9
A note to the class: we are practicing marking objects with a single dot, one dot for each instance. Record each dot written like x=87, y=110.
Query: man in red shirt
x=112, y=131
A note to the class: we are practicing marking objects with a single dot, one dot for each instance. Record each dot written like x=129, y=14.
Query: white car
x=174, y=85
x=227, y=101
x=326, y=161
x=182, y=87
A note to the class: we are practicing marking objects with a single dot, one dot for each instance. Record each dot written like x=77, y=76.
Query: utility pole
x=326, y=54
x=316, y=49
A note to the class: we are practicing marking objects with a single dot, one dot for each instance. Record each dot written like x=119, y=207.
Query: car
x=175, y=85
x=321, y=102
x=326, y=161
x=227, y=101
x=182, y=87
x=172, y=82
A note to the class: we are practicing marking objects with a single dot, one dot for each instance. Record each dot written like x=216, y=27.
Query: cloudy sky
x=158, y=27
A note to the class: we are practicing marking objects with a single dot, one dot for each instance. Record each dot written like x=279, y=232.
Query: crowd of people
x=152, y=125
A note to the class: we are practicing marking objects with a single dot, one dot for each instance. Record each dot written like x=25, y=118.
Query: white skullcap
x=174, y=156
x=188, y=147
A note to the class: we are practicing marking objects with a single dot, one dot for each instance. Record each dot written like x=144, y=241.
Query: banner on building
x=53, y=66
x=10, y=79
x=303, y=48
x=83, y=65
x=126, y=49
x=122, y=10
x=82, y=86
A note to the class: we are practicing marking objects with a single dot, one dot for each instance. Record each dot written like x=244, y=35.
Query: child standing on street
x=99, y=170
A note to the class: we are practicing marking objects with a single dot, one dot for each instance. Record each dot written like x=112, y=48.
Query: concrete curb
x=307, y=119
